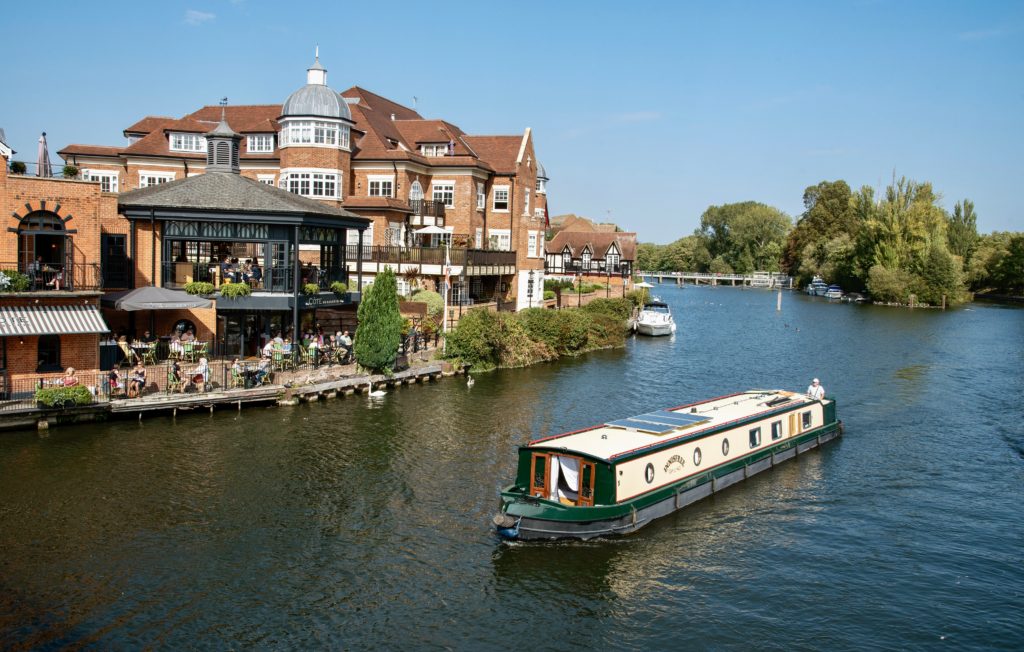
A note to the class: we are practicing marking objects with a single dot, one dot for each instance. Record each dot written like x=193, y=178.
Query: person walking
x=815, y=390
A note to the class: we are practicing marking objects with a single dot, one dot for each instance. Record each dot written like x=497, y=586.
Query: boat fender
x=633, y=508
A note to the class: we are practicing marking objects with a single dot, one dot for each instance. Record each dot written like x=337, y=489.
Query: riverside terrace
x=23, y=402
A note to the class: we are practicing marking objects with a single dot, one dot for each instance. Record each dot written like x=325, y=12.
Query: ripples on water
x=363, y=524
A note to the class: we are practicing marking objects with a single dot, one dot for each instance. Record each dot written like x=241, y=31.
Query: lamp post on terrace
x=529, y=289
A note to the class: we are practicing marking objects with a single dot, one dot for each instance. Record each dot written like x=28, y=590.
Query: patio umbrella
x=643, y=284
x=430, y=230
x=43, y=168
x=154, y=298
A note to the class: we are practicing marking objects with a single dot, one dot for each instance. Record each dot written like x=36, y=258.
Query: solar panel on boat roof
x=658, y=422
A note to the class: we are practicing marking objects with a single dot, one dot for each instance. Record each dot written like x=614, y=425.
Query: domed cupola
x=542, y=179
x=315, y=115
x=316, y=99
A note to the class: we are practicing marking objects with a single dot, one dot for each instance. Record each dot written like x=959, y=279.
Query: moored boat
x=655, y=319
x=834, y=292
x=616, y=477
x=817, y=287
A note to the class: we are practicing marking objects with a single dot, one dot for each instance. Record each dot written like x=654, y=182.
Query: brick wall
x=79, y=351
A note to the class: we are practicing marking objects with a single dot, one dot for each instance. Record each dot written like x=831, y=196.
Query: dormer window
x=260, y=144
x=585, y=259
x=566, y=258
x=434, y=149
x=612, y=258
x=187, y=143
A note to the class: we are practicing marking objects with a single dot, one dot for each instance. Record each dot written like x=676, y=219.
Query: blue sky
x=643, y=113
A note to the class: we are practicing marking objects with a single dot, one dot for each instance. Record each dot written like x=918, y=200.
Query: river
x=363, y=523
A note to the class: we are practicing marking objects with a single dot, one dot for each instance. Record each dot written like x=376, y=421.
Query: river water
x=363, y=523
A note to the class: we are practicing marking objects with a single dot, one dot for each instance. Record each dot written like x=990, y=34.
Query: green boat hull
x=524, y=517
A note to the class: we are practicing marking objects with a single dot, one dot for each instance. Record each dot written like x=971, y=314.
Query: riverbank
x=326, y=384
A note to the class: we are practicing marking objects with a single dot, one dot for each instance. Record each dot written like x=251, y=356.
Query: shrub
x=235, y=290
x=70, y=171
x=310, y=289
x=890, y=284
x=339, y=287
x=637, y=297
x=435, y=304
x=563, y=332
x=619, y=308
x=380, y=324
x=199, y=287
x=18, y=167
x=13, y=281
x=473, y=342
x=64, y=396
x=549, y=295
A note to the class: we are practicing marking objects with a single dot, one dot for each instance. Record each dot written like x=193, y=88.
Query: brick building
x=56, y=236
x=422, y=183
x=593, y=256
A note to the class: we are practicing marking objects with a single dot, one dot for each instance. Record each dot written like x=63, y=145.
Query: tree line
x=895, y=245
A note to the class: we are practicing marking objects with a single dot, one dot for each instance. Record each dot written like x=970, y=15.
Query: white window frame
x=586, y=257
x=479, y=238
x=149, y=178
x=416, y=191
x=434, y=149
x=182, y=141
x=441, y=187
x=612, y=257
x=540, y=244
x=314, y=133
x=442, y=239
x=260, y=143
x=504, y=191
x=526, y=202
x=305, y=181
x=538, y=212
x=266, y=179
x=352, y=236
x=500, y=239
x=776, y=430
x=531, y=244
x=481, y=197
x=754, y=436
x=382, y=185
x=108, y=179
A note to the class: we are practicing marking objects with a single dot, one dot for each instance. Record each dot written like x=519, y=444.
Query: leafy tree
x=987, y=256
x=748, y=236
x=380, y=324
x=1009, y=273
x=830, y=212
x=962, y=231
x=940, y=276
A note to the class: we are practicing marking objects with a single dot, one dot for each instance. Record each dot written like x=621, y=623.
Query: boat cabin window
x=539, y=476
x=776, y=430
x=696, y=457
x=725, y=447
x=755, y=437
x=807, y=419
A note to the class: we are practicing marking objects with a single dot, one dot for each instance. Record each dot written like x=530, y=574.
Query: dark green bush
x=549, y=295
x=63, y=396
x=562, y=331
x=310, y=289
x=620, y=308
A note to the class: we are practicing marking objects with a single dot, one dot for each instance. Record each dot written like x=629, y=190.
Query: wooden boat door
x=539, y=474
x=586, y=493
x=794, y=423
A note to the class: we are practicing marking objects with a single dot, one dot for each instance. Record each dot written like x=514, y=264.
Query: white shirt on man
x=815, y=391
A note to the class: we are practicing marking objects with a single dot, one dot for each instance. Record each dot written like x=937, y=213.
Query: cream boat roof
x=605, y=442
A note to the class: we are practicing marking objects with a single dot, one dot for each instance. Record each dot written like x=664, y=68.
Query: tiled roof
x=387, y=203
x=89, y=150
x=251, y=118
x=498, y=151
x=147, y=124
x=599, y=243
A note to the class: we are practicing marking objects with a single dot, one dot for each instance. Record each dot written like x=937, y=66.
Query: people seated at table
x=175, y=344
x=175, y=375
x=188, y=336
x=137, y=381
x=129, y=353
x=58, y=278
x=268, y=348
x=35, y=272
x=69, y=379
x=263, y=370
x=345, y=342
x=255, y=273
x=148, y=337
x=227, y=271
x=201, y=375
x=287, y=345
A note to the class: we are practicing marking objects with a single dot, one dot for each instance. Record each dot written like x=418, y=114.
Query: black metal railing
x=594, y=267
x=50, y=277
x=431, y=255
x=20, y=394
x=427, y=207
x=272, y=279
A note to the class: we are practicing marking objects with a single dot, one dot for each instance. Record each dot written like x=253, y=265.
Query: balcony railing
x=431, y=255
x=594, y=267
x=427, y=207
x=50, y=277
x=273, y=279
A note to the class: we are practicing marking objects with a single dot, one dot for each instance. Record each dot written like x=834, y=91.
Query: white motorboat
x=655, y=319
x=817, y=287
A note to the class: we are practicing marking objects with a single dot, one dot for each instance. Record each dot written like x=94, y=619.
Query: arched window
x=43, y=242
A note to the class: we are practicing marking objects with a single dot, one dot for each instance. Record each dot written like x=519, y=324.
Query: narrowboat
x=616, y=477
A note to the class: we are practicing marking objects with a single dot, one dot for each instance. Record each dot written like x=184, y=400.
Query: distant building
x=606, y=256
x=570, y=222
x=485, y=196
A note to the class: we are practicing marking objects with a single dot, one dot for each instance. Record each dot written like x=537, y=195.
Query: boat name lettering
x=674, y=464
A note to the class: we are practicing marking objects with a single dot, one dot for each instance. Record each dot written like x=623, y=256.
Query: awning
x=154, y=298
x=47, y=320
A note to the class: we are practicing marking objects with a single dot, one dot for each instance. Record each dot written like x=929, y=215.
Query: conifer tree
x=380, y=324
